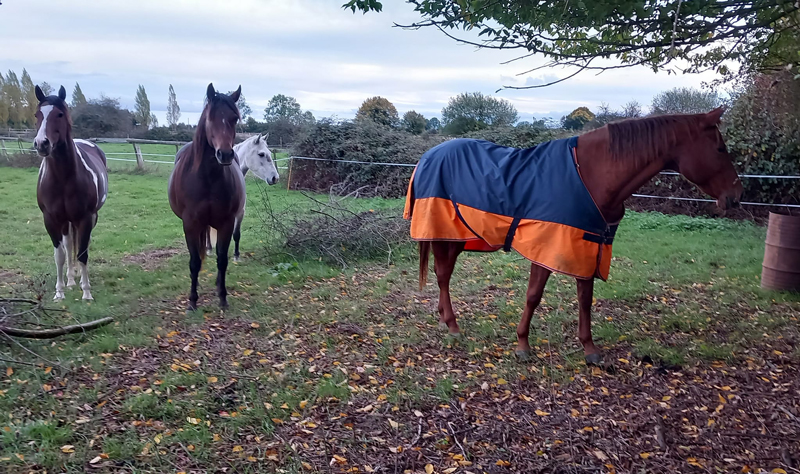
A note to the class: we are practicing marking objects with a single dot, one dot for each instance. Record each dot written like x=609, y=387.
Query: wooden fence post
x=289, y=178
x=3, y=150
x=139, y=159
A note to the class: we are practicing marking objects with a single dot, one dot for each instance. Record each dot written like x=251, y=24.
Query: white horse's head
x=255, y=156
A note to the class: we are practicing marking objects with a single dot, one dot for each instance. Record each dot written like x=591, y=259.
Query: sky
x=328, y=58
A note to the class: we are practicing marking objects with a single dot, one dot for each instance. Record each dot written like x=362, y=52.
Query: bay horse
x=557, y=204
x=72, y=187
x=253, y=155
x=205, y=190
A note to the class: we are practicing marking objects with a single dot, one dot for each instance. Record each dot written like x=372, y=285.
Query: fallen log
x=51, y=333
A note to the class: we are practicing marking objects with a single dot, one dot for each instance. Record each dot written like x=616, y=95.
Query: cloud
x=326, y=57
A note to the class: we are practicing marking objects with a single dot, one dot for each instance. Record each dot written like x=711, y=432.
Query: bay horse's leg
x=84, y=233
x=585, y=291
x=72, y=243
x=237, y=233
x=445, y=255
x=536, y=283
x=196, y=236
x=223, y=244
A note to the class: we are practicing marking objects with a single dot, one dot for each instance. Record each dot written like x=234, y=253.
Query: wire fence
x=114, y=156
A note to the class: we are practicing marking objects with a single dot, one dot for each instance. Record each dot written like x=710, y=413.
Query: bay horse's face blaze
x=223, y=115
x=52, y=121
x=707, y=163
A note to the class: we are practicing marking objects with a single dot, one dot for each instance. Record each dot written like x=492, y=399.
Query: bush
x=521, y=136
x=362, y=140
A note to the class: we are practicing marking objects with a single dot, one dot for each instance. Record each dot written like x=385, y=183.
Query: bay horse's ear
x=210, y=92
x=62, y=93
x=236, y=94
x=715, y=115
x=39, y=94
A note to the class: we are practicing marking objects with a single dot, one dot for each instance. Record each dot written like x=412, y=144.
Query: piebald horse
x=205, y=190
x=612, y=162
x=253, y=155
x=72, y=187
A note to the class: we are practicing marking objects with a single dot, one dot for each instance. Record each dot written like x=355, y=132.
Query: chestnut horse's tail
x=424, y=253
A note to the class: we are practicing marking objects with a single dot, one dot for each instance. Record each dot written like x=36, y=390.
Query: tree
x=308, y=119
x=577, y=118
x=46, y=88
x=433, y=125
x=15, y=100
x=414, y=122
x=142, y=113
x=102, y=117
x=472, y=111
x=173, y=109
x=78, y=99
x=282, y=107
x=697, y=34
x=684, y=100
x=31, y=102
x=378, y=110
x=633, y=109
x=3, y=103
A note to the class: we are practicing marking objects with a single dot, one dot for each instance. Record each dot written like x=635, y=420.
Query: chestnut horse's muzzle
x=43, y=147
x=225, y=158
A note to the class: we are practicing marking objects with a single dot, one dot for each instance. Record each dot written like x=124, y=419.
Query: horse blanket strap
x=491, y=197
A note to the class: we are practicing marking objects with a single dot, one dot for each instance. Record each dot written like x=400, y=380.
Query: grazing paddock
x=318, y=369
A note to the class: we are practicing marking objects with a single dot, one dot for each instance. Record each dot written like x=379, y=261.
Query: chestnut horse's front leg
x=224, y=235
x=536, y=283
x=585, y=290
x=445, y=255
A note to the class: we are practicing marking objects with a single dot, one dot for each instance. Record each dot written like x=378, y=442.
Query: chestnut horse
x=612, y=162
x=73, y=186
x=205, y=190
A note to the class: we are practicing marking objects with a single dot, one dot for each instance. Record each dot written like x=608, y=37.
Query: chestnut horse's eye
x=60, y=114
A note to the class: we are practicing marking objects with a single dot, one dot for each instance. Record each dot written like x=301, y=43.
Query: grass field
x=316, y=369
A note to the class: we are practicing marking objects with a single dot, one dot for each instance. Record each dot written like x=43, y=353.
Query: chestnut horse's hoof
x=594, y=359
x=523, y=356
x=454, y=335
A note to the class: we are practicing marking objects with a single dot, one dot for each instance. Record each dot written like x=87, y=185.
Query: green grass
x=303, y=340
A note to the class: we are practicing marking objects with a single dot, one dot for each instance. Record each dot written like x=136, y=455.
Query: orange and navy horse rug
x=491, y=197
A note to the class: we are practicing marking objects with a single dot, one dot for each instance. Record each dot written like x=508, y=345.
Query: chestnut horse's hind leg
x=585, y=291
x=445, y=255
x=223, y=244
x=536, y=283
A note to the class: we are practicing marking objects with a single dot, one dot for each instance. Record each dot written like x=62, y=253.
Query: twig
x=760, y=435
x=51, y=333
x=662, y=442
x=790, y=414
x=419, y=432
x=31, y=352
x=455, y=438
x=12, y=361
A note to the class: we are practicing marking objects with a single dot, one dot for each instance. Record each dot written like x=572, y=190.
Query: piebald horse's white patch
x=41, y=134
x=91, y=171
x=102, y=178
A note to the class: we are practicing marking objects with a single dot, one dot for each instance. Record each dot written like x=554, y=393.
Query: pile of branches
x=330, y=230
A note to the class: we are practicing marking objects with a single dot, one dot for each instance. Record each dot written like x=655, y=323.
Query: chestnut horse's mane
x=200, y=139
x=646, y=138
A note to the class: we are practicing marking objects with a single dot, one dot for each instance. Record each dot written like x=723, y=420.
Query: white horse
x=253, y=155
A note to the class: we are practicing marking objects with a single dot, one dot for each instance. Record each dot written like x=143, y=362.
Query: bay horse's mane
x=200, y=140
x=643, y=139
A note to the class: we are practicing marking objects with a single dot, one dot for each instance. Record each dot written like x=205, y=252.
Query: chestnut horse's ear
x=236, y=94
x=210, y=92
x=62, y=93
x=39, y=94
x=715, y=115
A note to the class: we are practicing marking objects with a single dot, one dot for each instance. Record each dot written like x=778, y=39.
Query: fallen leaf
x=95, y=460
x=247, y=352
x=307, y=466
x=303, y=404
x=340, y=459
x=238, y=449
x=778, y=470
x=48, y=370
x=395, y=425
x=9, y=372
x=418, y=413
x=212, y=379
x=450, y=470
x=644, y=455
x=541, y=413
x=502, y=463
x=429, y=468
x=255, y=325
x=68, y=448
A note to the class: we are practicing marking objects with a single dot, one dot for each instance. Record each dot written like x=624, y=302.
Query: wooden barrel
x=781, y=267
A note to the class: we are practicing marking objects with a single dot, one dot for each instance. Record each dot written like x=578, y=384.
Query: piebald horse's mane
x=200, y=137
x=643, y=139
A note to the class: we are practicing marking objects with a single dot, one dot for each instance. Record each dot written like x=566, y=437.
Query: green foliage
x=78, y=99
x=361, y=140
x=282, y=107
x=521, y=136
x=762, y=131
x=684, y=100
x=14, y=99
x=101, y=117
x=141, y=112
x=471, y=111
x=4, y=105
x=699, y=34
x=414, y=122
x=173, y=109
x=46, y=88
x=577, y=118
x=29, y=97
x=433, y=125
x=379, y=110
